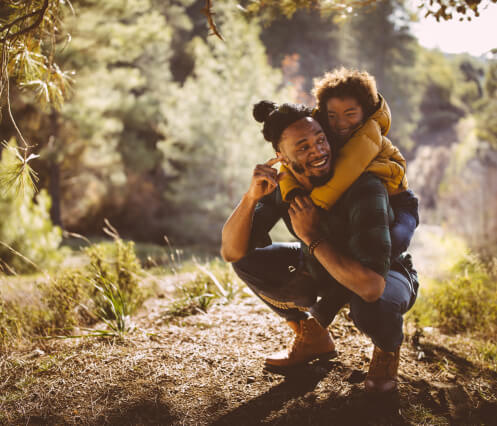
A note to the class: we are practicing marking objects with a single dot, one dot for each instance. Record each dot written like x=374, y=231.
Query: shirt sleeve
x=369, y=218
x=267, y=212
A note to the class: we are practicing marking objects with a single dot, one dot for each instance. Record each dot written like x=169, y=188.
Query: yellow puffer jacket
x=367, y=150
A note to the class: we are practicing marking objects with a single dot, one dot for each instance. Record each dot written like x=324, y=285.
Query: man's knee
x=245, y=267
x=381, y=320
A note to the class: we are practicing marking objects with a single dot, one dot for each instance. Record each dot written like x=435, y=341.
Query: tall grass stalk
x=119, y=323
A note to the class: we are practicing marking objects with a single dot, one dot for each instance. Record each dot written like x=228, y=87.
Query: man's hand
x=305, y=218
x=264, y=180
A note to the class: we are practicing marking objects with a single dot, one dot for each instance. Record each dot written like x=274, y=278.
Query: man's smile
x=320, y=162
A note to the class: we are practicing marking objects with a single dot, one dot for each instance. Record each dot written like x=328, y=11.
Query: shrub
x=214, y=281
x=62, y=298
x=467, y=301
x=115, y=269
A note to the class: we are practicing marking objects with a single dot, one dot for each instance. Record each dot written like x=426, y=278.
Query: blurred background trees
x=156, y=132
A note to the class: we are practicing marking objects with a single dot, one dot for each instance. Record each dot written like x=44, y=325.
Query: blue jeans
x=405, y=207
x=276, y=275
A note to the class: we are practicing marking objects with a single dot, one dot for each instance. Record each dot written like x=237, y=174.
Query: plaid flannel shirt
x=357, y=226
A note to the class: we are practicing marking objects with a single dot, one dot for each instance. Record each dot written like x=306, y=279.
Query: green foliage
x=108, y=288
x=451, y=9
x=29, y=33
x=16, y=173
x=439, y=9
x=118, y=323
x=488, y=351
x=487, y=108
x=115, y=274
x=449, y=89
x=26, y=226
x=213, y=143
x=296, y=50
x=104, y=138
x=467, y=301
x=61, y=300
x=378, y=40
x=192, y=298
x=213, y=282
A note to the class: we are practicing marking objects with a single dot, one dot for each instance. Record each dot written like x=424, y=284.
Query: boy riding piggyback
x=357, y=120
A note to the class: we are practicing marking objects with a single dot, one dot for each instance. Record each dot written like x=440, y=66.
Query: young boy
x=357, y=119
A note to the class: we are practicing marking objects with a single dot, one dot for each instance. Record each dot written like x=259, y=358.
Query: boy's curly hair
x=345, y=82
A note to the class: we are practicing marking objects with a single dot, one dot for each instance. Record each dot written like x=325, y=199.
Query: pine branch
x=7, y=27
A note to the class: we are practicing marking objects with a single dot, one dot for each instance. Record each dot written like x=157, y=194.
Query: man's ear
x=281, y=157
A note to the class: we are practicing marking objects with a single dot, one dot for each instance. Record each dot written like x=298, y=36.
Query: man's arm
x=237, y=230
x=370, y=240
x=363, y=281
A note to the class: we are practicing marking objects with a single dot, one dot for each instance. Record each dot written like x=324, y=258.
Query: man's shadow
x=297, y=382
x=302, y=380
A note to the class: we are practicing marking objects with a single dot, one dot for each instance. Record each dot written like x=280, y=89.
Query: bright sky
x=476, y=37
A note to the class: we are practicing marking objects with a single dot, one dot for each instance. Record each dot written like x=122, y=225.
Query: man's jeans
x=275, y=274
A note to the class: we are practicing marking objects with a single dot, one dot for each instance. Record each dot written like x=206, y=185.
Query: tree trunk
x=54, y=183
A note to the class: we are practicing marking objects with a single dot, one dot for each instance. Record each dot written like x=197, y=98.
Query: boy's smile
x=345, y=115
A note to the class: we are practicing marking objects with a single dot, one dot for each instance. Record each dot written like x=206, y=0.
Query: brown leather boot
x=382, y=374
x=311, y=341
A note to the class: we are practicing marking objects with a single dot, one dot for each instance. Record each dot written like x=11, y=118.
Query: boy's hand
x=305, y=218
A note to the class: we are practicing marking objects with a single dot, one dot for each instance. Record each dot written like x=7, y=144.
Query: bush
x=467, y=301
x=62, y=298
x=107, y=288
x=213, y=282
x=115, y=269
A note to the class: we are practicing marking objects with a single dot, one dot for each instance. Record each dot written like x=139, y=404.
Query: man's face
x=306, y=151
x=345, y=115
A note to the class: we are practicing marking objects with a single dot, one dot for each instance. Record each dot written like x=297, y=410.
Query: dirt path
x=208, y=369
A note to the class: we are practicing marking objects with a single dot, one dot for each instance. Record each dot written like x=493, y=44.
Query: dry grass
x=208, y=369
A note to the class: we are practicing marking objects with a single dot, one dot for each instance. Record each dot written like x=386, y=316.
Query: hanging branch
x=207, y=11
x=7, y=27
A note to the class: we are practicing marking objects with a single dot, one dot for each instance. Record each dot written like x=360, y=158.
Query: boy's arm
x=352, y=161
x=390, y=167
x=287, y=183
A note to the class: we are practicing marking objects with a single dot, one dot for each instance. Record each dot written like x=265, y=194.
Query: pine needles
x=16, y=174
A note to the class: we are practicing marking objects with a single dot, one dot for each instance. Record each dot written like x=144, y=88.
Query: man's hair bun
x=277, y=118
x=262, y=110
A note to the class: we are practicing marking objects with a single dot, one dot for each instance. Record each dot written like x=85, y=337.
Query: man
x=345, y=255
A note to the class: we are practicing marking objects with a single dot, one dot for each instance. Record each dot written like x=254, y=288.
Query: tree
x=312, y=49
x=109, y=129
x=378, y=40
x=487, y=108
x=213, y=142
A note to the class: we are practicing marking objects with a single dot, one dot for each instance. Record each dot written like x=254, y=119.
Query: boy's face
x=345, y=115
x=305, y=150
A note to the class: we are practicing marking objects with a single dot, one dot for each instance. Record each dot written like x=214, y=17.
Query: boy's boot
x=382, y=374
x=311, y=341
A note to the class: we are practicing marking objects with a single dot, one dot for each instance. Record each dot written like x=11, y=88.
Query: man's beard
x=297, y=168
x=321, y=180
x=314, y=180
